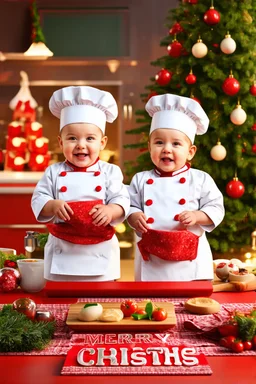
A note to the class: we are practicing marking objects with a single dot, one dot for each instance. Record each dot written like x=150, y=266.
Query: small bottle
x=30, y=241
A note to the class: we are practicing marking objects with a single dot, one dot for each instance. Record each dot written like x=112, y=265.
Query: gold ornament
x=247, y=17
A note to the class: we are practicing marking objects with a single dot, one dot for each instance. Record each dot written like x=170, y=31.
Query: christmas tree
x=209, y=55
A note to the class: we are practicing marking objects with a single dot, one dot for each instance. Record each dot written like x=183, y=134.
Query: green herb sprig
x=246, y=325
x=20, y=334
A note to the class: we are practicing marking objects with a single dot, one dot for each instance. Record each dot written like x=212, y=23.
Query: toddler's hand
x=187, y=218
x=138, y=221
x=62, y=210
x=101, y=215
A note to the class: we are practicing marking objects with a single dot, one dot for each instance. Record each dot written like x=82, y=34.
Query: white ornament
x=199, y=49
x=238, y=115
x=218, y=152
x=228, y=45
x=24, y=93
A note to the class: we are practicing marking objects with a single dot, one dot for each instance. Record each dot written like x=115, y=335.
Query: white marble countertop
x=7, y=177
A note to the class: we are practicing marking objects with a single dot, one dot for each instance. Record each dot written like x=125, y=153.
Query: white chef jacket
x=161, y=199
x=65, y=261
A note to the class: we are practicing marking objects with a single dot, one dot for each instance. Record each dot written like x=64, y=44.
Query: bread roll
x=202, y=305
x=111, y=314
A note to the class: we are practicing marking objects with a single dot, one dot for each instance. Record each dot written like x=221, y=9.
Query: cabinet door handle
x=23, y=226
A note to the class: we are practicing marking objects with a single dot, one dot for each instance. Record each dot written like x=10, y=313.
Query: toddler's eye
x=158, y=142
x=72, y=138
x=176, y=143
x=90, y=138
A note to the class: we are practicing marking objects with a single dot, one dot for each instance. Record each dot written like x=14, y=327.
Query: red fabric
x=80, y=230
x=170, y=174
x=80, y=169
x=169, y=245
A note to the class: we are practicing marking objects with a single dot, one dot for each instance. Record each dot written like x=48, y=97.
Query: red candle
x=39, y=162
x=14, y=129
x=16, y=144
x=34, y=129
x=38, y=145
x=18, y=164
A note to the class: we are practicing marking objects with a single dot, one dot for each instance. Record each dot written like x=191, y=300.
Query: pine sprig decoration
x=246, y=326
x=37, y=33
x=14, y=258
x=20, y=334
x=42, y=239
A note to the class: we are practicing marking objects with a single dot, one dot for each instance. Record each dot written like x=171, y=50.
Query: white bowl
x=241, y=278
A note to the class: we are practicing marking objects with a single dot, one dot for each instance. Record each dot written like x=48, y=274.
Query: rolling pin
x=236, y=286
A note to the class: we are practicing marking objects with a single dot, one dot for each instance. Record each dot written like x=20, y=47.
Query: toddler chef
x=173, y=205
x=82, y=197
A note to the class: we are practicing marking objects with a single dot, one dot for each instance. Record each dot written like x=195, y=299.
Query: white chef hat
x=177, y=112
x=83, y=105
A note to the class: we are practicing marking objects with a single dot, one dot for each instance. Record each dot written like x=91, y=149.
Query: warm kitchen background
x=128, y=31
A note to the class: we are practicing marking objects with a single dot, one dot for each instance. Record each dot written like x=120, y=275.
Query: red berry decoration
x=9, y=279
x=235, y=188
x=176, y=28
x=196, y=99
x=192, y=1
x=253, y=89
x=254, y=127
x=191, y=78
x=153, y=93
x=211, y=17
x=174, y=49
x=230, y=86
x=254, y=148
x=163, y=77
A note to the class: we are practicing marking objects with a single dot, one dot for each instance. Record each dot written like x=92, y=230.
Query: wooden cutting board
x=126, y=324
x=219, y=286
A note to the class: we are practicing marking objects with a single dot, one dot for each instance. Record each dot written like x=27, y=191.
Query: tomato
x=159, y=314
x=128, y=307
x=227, y=341
x=25, y=306
x=237, y=346
x=141, y=311
x=228, y=329
x=247, y=345
x=254, y=342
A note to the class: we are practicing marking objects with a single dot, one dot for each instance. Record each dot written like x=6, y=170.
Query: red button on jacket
x=98, y=188
x=150, y=220
x=182, y=180
x=63, y=173
x=176, y=217
x=182, y=201
x=63, y=189
x=150, y=181
x=97, y=173
x=149, y=202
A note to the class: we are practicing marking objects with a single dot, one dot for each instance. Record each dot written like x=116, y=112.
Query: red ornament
x=235, y=188
x=254, y=127
x=191, y=78
x=230, y=86
x=163, y=77
x=254, y=148
x=9, y=279
x=176, y=28
x=211, y=17
x=192, y=1
x=253, y=89
x=196, y=99
x=174, y=49
x=153, y=93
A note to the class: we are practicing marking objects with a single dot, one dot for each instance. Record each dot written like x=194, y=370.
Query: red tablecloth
x=46, y=369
